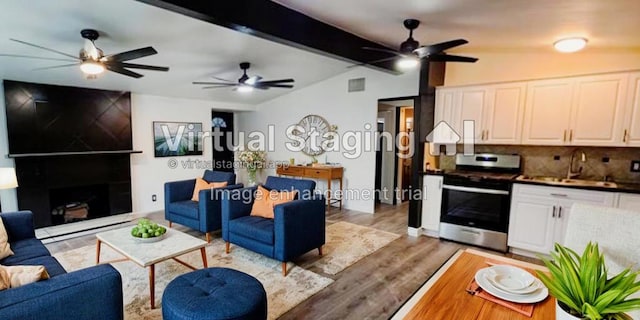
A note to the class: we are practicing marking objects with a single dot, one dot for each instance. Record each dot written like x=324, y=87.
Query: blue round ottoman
x=214, y=293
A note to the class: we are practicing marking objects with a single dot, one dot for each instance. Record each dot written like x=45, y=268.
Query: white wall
x=8, y=198
x=349, y=111
x=148, y=174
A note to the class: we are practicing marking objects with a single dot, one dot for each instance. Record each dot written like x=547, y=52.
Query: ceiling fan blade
x=280, y=86
x=275, y=81
x=138, y=66
x=123, y=71
x=383, y=50
x=55, y=67
x=34, y=57
x=215, y=87
x=215, y=83
x=371, y=62
x=131, y=55
x=451, y=58
x=221, y=79
x=439, y=47
x=44, y=48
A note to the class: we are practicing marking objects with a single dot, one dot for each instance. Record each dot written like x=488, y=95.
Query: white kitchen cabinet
x=598, y=108
x=504, y=113
x=631, y=131
x=447, y=110
x=473, y=101
x=539, y=214
x=548, y=112
x=431, y=204
x=629, y=201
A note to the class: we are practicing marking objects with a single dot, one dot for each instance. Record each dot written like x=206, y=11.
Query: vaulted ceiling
x=195, y=49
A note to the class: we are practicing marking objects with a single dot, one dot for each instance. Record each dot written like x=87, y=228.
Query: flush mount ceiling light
x=568, y=45
x=408, y=63
x=92, y=67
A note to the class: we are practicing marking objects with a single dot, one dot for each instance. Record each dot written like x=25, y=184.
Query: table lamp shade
x=8, y=178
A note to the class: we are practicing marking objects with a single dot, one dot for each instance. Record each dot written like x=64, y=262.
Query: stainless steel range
x=476, y=198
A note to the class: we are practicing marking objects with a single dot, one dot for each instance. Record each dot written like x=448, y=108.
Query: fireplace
x=72, y=151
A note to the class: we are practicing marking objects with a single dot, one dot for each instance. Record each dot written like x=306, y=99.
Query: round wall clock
x=315, y=127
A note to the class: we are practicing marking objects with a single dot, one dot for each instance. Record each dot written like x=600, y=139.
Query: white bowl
x=150, y=240
x=510, y=278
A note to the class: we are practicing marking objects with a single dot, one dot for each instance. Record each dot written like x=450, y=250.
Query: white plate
x=533, y=297
x=533, y=287
x=510, y=278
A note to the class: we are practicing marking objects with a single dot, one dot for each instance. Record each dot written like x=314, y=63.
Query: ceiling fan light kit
x=406, y=63
x=91, y=67
x=569, y=45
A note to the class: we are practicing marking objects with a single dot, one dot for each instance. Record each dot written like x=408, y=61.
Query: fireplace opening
x=72, y=204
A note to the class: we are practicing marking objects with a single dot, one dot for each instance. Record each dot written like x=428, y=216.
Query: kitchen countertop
x=622, y=187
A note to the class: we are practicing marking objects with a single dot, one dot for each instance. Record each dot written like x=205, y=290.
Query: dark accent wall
x=45, y=119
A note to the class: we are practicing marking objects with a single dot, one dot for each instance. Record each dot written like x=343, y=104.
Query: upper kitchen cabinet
x=495, y=110
x=598, y=110
x=504, y=113
x=631, y=131
x=548, y=112
x=447, y=110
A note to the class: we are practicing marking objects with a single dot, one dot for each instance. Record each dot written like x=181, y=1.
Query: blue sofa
x=203, y=215
x=297, y=227
x=91, y=293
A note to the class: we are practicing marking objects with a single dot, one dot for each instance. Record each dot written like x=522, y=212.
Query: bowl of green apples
x=147, y=231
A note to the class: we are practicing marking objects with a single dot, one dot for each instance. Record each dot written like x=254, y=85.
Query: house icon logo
x=444, y=135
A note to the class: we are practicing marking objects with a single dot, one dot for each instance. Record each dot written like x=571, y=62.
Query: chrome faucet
x=570, y=172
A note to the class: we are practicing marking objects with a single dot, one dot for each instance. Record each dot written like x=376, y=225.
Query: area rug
x=347, y=243
x=283, y=293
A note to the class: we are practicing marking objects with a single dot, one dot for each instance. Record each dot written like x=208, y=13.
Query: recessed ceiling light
x=570, y=44
x=407, y=63
x=91, y=67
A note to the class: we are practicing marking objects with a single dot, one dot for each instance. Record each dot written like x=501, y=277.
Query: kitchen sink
x=569, y=182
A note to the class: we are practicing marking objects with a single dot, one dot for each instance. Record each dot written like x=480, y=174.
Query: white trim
x=413, y=232
x=431, y=233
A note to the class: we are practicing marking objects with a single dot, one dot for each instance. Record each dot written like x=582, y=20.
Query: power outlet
x=635, y=166
x=154, y=198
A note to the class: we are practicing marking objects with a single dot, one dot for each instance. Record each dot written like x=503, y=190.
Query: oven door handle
x=476, y=190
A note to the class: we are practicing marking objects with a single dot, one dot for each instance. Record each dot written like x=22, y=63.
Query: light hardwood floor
x=373, y=288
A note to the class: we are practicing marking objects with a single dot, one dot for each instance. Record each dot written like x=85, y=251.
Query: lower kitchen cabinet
x=629, y=201
x=431, y=204
x=539, y=214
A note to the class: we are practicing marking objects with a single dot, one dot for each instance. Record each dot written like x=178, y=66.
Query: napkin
x=523, y=308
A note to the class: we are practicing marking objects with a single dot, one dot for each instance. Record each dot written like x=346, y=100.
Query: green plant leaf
x=591, y=312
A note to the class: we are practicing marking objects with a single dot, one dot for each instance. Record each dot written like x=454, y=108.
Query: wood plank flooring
x=373, y=288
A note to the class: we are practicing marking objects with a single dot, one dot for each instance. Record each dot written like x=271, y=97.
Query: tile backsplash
x=539, y=161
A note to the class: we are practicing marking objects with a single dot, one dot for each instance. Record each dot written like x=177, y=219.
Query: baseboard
x=431, y=233
x=416, y=232
x=413, y=232
x=526, y=253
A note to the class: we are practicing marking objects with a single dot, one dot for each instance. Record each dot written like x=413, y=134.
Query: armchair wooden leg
x=320, y=250
x=208, y=235
x=170, y=224
x=227, y=244
x=284, y=269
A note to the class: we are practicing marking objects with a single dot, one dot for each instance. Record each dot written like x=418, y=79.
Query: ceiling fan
x=93, y=61
x=246, y=83
x=410, y=50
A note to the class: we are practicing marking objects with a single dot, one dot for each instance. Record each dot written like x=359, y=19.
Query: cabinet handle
x=624, y=137
x=564, y=137
x=482, y=136
x=553, y=215
x=570, y=135
x=560, y=212
x=559, y=195
x=487, y=135
x=440, y=184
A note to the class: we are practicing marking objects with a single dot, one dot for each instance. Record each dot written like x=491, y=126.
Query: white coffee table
x=174, y=244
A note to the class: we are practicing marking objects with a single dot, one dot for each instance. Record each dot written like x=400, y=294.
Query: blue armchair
x=87, y=294
x=203, y=215
x=297, y=227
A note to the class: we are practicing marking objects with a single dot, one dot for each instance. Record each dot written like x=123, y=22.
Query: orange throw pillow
x=202, y=184
x=266, y=200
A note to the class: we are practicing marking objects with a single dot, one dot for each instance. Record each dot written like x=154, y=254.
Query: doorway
x=393, y=158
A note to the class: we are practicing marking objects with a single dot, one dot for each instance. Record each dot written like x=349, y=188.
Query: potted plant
x=582, y=289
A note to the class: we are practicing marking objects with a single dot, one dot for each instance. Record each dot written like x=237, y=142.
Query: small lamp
x=8, y=179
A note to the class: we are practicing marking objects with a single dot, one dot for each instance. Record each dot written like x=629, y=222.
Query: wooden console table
x=329, y=173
